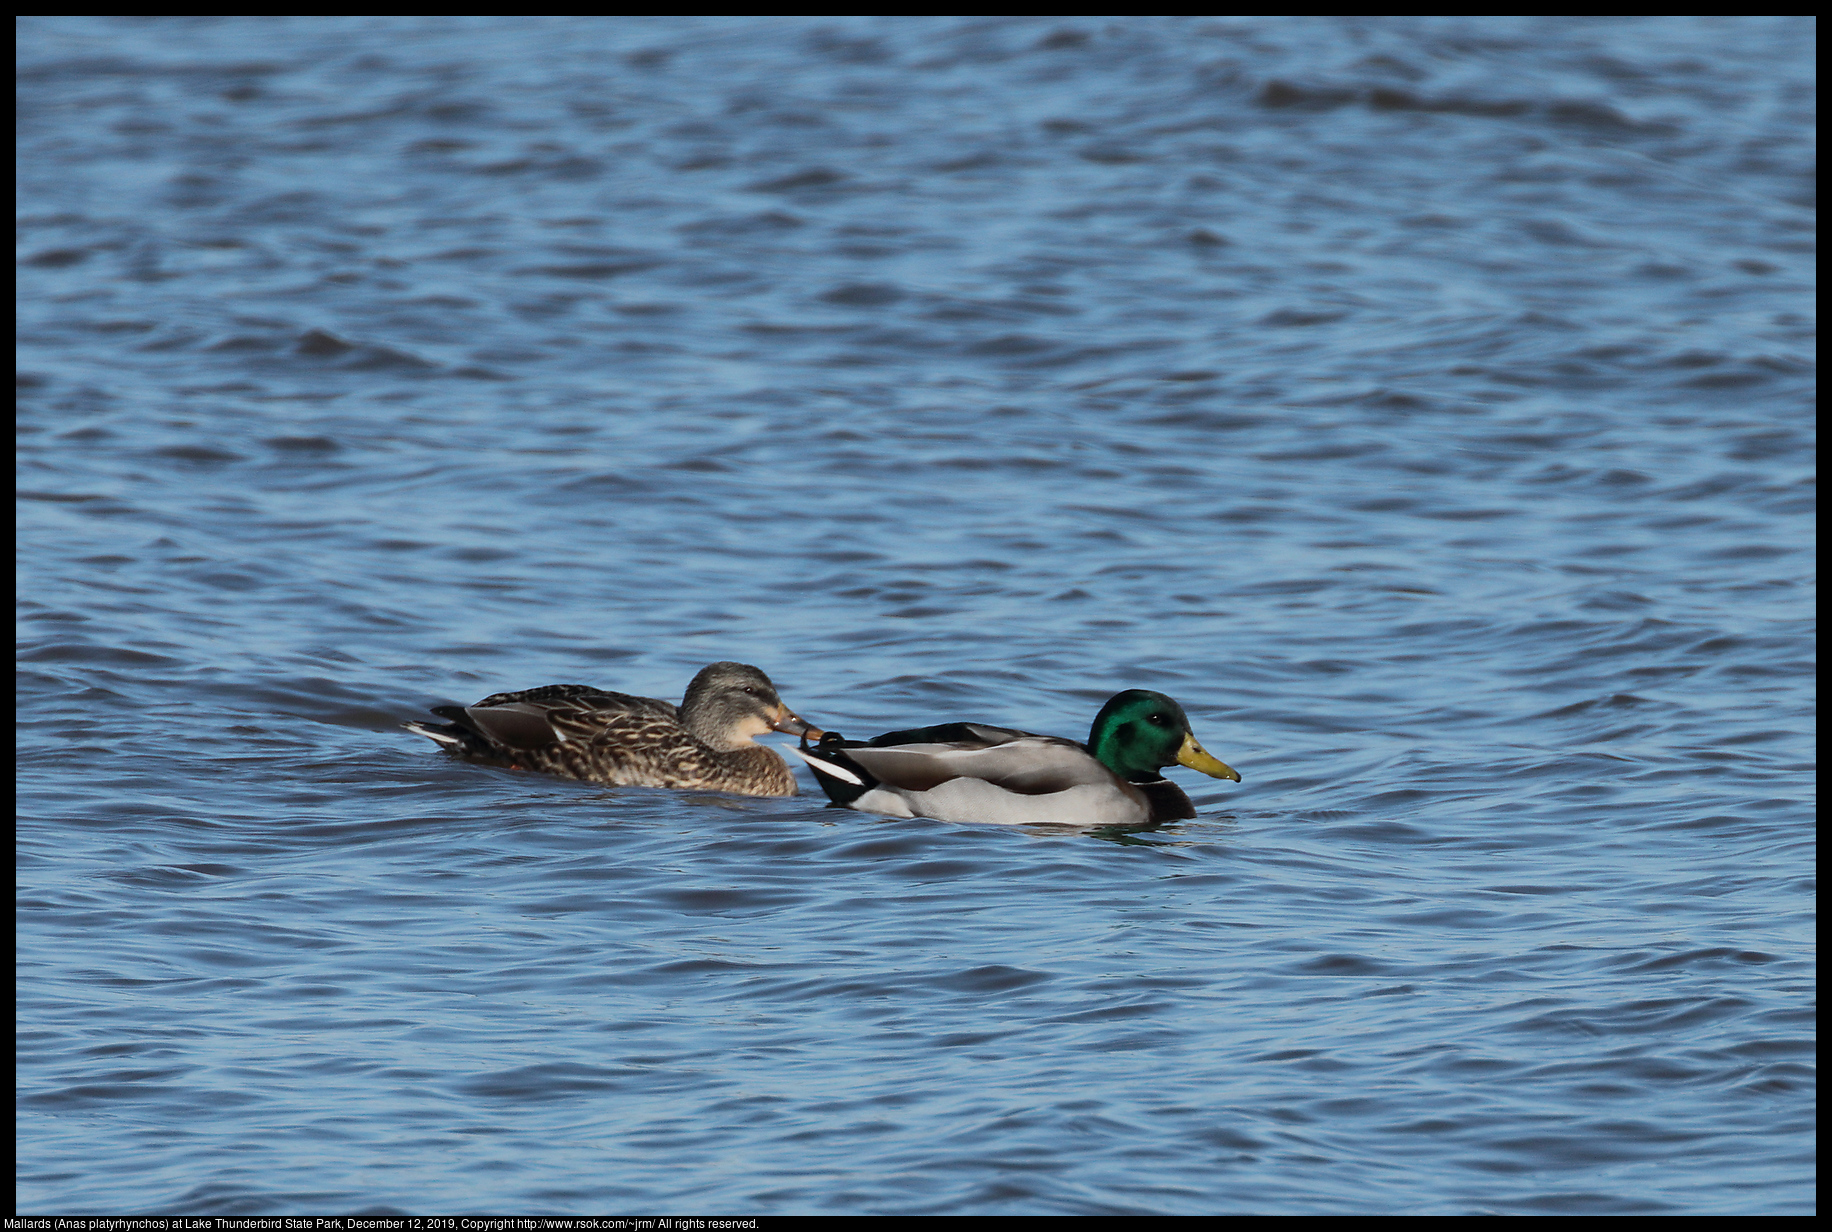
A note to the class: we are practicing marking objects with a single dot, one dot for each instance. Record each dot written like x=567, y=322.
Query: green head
x=1138, y=731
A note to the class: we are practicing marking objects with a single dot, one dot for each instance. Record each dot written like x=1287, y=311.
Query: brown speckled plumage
x=620, y=740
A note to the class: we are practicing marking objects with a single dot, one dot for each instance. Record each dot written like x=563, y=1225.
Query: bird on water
x=595, y=735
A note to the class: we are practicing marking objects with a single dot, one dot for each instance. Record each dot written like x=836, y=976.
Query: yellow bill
x=1196, y=757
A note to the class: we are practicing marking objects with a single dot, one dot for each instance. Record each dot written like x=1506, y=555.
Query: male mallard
x=973, y=772
x=579, y=732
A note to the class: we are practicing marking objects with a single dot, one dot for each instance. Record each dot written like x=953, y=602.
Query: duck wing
x=1012, y=761
x=554, y=714
x=981, y=734
x=584, y=697
x=987, y=775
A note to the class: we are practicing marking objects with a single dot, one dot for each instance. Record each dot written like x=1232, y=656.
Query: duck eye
x=1159, y=719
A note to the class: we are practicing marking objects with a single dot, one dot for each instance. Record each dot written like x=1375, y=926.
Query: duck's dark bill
x=788, y=721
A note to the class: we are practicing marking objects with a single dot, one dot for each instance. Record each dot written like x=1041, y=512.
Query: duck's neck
x=721, y=739
x=1112, y=753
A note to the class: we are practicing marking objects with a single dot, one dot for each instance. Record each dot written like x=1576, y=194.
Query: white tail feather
x=827, y=767
x=445, y=738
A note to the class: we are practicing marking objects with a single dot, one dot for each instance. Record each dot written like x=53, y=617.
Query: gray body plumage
x=995, y=774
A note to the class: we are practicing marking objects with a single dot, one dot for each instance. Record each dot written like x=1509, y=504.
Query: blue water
x=1422, y=402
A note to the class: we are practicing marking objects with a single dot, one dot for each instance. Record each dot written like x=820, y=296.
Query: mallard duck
x=580, y=732
x=974, y=772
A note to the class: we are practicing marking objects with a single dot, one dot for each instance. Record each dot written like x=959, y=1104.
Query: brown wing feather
x=515, y=725
x=633, y=750
x=627, y=742
x=584, y=697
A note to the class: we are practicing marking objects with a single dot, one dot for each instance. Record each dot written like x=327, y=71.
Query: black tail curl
x=832, y=748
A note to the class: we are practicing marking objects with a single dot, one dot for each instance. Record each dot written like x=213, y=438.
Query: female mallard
x=579, y=732
x=972, y=772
